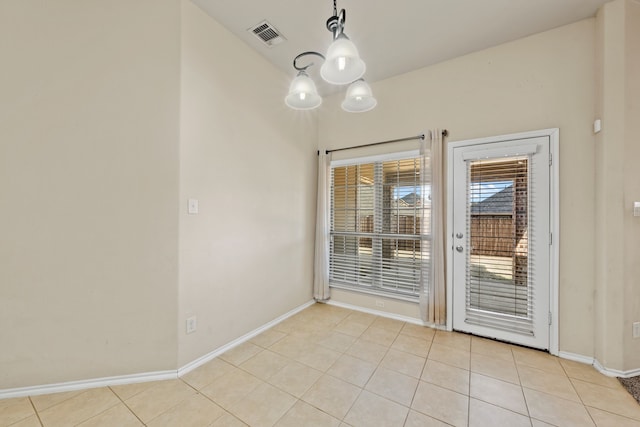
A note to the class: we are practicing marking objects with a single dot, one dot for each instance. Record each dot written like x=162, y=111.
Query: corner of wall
x=618, y=232
x=251, y=166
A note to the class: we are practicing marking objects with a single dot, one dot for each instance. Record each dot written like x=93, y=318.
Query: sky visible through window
x=479, y=190
x=483, y=190
x=402, y=191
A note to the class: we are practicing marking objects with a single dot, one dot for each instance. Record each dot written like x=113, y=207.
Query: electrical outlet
x=636, y=329
x=379, y=303
x=191, y=324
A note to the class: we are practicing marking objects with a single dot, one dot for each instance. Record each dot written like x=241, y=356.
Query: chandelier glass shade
x=341, y=66
x=359, y=98
x=303, y=94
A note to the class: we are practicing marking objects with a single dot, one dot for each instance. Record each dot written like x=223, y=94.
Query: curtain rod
x=410, y=138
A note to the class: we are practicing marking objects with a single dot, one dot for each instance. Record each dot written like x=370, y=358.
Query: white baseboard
x=168, y=375
x=576, y=357
x=246, y=337
x=87, y=384
x=615, y=372
x=598, y=366
x=380, y=313
x=147, y=376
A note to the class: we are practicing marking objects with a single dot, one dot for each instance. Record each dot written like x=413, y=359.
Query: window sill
x=376, y=292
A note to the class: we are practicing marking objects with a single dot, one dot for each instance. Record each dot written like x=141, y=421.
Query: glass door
x=501, y=240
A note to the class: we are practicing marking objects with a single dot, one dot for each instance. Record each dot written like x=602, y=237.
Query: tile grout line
x=524, y=396
x=426, y=359
x=378, y=365
x=582, y=402
x=363, y=388
x=290, y=360
x=469, y=395
x=215, y=403
x=424, y=366
x=35, y=411
x=99, y=413
x=342, y=420
x=127, y=406
x=573, y=387
x=80, y=392
x=499, y=379
x=300, y=399
x=73, y=397
x=419, y=379
x=635, y=420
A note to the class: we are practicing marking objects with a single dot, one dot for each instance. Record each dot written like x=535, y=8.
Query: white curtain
x=432, y=295
x=321, y=266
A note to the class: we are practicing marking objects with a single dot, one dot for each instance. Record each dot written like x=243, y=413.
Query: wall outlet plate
x=636, y=329
x=192, y=206
x=191, y=324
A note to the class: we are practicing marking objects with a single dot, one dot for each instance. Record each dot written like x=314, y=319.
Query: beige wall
x=632, y=182
x=118, y=116
x=89, y=98
x=543, y=81
x=247, y=257
x=609, y=349
x=618, y=179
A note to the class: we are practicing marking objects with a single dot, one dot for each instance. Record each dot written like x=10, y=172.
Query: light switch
x=193, y=206
x=597, y=126
x=636, y=208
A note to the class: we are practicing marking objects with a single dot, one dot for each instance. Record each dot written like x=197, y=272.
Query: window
x=380, y=226
x=498, y=224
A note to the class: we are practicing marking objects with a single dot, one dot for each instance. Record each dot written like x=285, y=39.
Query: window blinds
x=380, y=226
x=499, y=291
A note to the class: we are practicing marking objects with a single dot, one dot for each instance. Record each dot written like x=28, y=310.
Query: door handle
x=459, y=248
x=459, y=235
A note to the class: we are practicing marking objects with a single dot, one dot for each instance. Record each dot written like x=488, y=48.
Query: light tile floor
x=329, y=366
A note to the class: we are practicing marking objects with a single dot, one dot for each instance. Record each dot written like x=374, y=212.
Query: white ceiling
x=394, y=37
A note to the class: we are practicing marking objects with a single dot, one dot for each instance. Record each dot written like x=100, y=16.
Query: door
x=501, y=238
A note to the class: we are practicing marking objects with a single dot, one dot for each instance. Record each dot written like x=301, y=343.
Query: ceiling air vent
x=266, y=32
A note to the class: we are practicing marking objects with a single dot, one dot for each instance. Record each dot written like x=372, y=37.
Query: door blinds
x=379, y=226
x=499, y=278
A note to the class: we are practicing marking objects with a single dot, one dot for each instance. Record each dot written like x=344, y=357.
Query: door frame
x=554, y=222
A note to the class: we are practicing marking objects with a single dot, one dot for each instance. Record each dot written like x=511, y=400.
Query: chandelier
x=342, y=65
